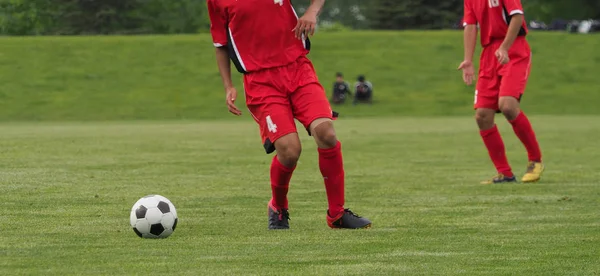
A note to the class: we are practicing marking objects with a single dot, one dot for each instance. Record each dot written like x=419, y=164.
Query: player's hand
x=502, y=56
x=231, y=96
x=468, y=71
x=306, y=25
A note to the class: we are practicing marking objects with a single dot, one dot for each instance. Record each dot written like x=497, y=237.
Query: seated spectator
x=340, y=89
x=363, y=91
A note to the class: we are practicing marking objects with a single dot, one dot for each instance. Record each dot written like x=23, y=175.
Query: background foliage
x=74, y=17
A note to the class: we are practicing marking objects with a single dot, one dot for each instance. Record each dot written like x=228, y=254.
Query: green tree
x=183, y=16
x=548, y=10
x=23, y=17
x=73, y=17
x=414, y=14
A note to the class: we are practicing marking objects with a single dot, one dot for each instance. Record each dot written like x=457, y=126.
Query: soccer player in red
x=504, y=68
x=268, y=43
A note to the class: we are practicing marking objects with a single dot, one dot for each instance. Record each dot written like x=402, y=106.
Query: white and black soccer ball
x=153, y=217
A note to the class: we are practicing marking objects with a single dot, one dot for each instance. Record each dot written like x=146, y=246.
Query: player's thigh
x=308, y=98
x=487, y=92
x=515, y=77
x=275, y=120
x=271, y=109
x=309, y=103
x=488, y=81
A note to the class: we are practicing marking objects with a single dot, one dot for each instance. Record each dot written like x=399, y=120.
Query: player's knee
x=484, y=118
x=510, y=113
x=325, y=135
x=288, y=151
x=289, y=157
x=509, y=106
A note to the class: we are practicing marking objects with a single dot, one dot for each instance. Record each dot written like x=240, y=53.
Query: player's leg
x=511, y=90
x=312, y=109
x=331, y=162
x=282, y=167
x=331, y=165
x=495, y=146
x=486, y=105
x=281, y=132
x=272, y=111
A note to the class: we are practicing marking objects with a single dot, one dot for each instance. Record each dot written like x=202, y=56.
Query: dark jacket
x=340, y=90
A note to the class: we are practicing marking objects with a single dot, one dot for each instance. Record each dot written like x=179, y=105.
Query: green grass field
x=90, y=124
x=67, y=189
x=175, y=77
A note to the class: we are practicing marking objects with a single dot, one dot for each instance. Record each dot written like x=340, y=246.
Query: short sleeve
x=218, y=23
x=469, y=16
x=513, y=7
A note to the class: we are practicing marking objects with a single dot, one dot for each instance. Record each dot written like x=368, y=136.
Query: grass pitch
x=66, y=191
x=175, y=77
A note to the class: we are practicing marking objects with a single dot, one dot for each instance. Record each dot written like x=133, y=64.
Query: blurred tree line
x=73, y=17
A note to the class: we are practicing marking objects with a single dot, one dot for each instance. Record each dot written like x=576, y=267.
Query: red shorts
x=276, y=96
x=497, y=80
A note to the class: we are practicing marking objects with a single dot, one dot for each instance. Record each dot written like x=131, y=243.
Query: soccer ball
x=153, y=217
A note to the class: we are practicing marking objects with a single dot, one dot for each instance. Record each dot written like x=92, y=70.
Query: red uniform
x=280, y=83
x=497, y=80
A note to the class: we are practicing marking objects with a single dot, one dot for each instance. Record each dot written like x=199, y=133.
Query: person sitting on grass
x=340, y=89
x=363, y=91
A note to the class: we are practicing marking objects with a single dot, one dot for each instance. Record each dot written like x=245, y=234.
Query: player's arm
x=224, y=67
x=469, y=42
x=516, y=22
x=515, y=11
x=308, y=22
x=218, y=30
x=315, y=7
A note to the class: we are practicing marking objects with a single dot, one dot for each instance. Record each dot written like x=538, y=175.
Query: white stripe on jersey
x=303, y=38
x=516, y=12
x=235, y=49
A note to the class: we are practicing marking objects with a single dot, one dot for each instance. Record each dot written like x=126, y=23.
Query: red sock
x=280, y=183
x=495, y=146
x=332, y=169
x=524, y=131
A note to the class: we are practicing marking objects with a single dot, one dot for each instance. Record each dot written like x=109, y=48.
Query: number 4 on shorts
x=270, y=125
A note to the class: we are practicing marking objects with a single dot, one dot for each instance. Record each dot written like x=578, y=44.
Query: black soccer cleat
x=348, y=220
x=500, y=179
x=278, y=219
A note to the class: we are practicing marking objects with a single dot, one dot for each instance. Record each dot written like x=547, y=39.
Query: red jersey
x=258, y=33
x=493, y=17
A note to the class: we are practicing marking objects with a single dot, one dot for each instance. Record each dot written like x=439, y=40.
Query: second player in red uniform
x=268, y=43
x=504, y=69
